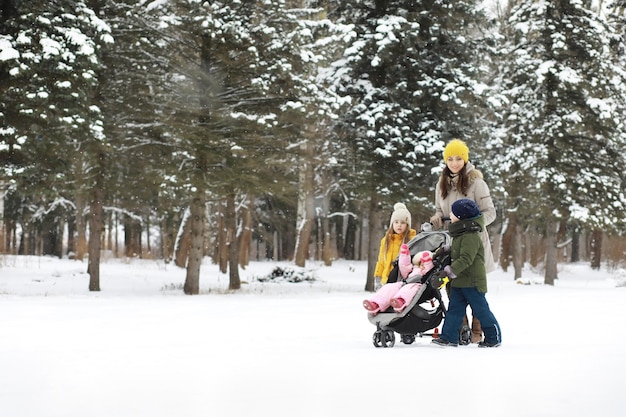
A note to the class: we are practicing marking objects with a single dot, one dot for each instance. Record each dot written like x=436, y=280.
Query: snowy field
x=140, y=348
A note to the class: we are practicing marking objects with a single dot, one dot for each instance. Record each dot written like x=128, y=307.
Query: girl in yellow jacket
x=399, y=232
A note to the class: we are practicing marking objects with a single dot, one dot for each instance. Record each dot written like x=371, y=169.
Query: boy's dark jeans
x=460, y=298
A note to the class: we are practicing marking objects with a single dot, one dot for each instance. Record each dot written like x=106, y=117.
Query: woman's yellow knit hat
x=456, y=147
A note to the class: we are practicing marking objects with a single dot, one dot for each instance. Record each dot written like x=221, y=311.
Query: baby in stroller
x=399, y=294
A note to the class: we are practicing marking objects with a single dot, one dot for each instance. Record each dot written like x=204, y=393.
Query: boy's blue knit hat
x=465, y=209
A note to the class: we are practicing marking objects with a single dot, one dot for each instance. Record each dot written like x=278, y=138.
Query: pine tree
x=50, y=109
x=220, y=109
x=563, y=89
x=412, y=74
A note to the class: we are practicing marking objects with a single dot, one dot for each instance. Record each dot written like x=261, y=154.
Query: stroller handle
x=428, y=226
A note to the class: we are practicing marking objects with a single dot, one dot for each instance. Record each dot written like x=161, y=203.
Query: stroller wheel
x=384, y=338
x=407, y=339
x=377, y=339
x=389, y=338
x=465, y=338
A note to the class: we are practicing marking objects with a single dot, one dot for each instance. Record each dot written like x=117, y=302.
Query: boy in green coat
x=468, y=278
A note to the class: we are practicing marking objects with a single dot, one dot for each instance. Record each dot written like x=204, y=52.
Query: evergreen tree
x=220, y=109
x=412, y=74
x=50, y=112
x=564, y=90
x=143, y=194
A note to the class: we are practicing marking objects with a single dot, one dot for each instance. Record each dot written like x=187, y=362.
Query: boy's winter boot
x=477, y=331
x=488, y=345
x=443, y=343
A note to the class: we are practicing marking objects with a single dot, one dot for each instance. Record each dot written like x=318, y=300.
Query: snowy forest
x=287, y=129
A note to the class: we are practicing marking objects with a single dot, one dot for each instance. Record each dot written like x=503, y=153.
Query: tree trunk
x=167, y=237
x=518, y=250
x=537, y=248
x=96, y=224
x=306, y=207
x=551, y=272
x=132, y=237
x=183, y=240
x=222, y=239
x=350, y=238
x=192, y=279
x=245, y=238
x=596, y=248
x=340, y=245
x=324, y=240
x=8, y=227
x=507, y=241
x=148, y=245
x=81, y=228
x=110, y=231
x=49, y=234
x=373, y=226
x=71, y=237
x=575, y=256
x=230, y=221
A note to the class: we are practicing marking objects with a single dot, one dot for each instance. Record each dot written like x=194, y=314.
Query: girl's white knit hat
x=400, y=212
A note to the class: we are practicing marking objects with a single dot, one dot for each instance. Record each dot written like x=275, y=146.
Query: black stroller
x=426, y=310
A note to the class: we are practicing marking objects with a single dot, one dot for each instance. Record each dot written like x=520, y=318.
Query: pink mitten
x=426, y=261
x=404, y=261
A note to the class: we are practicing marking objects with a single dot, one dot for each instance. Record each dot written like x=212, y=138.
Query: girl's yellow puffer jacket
x=384, y=265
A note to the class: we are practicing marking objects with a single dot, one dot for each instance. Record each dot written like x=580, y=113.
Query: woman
x=460, y=179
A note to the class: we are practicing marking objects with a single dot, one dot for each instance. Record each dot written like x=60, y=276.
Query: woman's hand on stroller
x=436, y=221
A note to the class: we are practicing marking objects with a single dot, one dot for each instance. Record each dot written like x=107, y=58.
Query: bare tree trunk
x=327, y=254
x=350, y=240
x=507, y=241
x=167, y=237
x=373, y=226
x=222, y=240
x=8, y=227
x=324, y=228
x=183, y=240
x=518, y=250
x=96, y=224
x=245, y=238
x=230, y=220
x=575, y=255
x=536, y=247
x=48, y=234
x=132, y=237
x=306, y=205
x=81, y=227
x=110, y=229
x=551, y=272
x=596, y=248
x=192, y=279
x=71, y=237
x=148, y=245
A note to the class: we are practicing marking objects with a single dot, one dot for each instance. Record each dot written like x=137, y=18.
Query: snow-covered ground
x=141, y=348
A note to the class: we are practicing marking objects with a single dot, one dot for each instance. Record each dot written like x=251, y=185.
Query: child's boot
x=477, y=331
x=371, y=306
x=398, y=304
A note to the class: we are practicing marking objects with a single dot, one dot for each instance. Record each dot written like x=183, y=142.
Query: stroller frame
x=415, y=319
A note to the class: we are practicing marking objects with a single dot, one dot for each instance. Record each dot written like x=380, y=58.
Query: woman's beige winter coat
x=479, y=192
